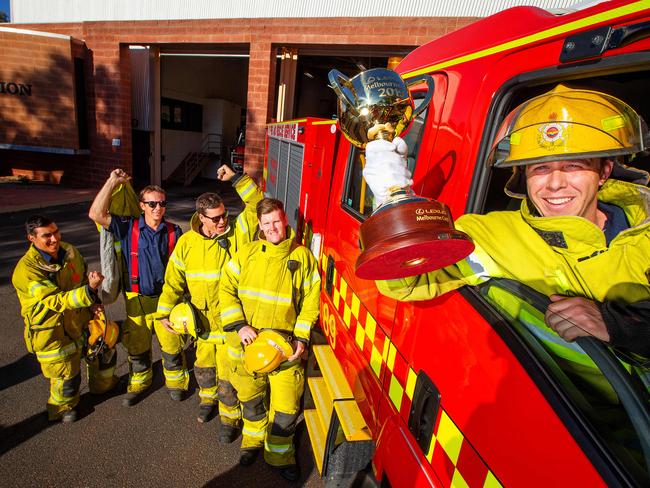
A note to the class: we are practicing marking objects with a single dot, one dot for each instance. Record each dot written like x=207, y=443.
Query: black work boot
x=176, y=395
x=291, y=472
x=248, y=456
x=228, y=433
x=131, y=398
x=69, y=416
x=205, y=413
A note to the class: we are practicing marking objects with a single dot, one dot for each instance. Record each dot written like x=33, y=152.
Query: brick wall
x=109, y=97
x=37, y=92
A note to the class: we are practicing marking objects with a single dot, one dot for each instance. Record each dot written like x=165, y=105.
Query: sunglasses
x=217, y=218
x=152, y=204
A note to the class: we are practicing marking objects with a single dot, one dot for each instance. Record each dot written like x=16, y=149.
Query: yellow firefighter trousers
x=65, y=379
x=136, y=337
x=213, y=375
x=64, y=383
x=175, y=370
x=272, y=429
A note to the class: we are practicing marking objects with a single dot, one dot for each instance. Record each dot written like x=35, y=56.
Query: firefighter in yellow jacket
x=581, y=235
x=195, y=267
x=56, y=299
x=272, y=283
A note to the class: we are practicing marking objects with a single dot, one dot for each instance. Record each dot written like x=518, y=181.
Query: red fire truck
x=457, y=391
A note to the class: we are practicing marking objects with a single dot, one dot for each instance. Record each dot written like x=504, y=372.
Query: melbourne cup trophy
x=406, y=235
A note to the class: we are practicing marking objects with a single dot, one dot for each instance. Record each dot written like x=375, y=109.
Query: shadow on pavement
x=24, y=430
x=261, y=474
x=20, y=370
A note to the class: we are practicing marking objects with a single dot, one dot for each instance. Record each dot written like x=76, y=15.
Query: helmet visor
x=568, y=124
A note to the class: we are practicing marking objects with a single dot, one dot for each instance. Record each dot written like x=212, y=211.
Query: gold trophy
x=406, y=235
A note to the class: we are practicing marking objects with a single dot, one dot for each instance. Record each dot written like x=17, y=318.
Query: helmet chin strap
x=534, y=211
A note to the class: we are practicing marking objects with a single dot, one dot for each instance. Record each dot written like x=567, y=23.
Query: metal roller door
x=284, y=174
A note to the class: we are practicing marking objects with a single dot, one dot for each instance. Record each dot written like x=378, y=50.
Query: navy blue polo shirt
x=616, y=220
x=153, y=252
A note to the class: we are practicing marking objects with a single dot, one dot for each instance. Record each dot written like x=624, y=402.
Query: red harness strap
x=135, y=238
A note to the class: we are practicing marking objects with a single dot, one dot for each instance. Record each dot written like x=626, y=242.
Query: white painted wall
x=175, y=146
x=219, y=116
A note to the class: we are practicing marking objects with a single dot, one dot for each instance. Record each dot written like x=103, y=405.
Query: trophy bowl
x=372, y=100
x=407, y=235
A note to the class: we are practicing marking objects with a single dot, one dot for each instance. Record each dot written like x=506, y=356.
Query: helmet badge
x=551, y=135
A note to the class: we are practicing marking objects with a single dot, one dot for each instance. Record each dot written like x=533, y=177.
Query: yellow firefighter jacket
x=554, y=255
x=54, y=302
x=270, y=286
x=196, y=263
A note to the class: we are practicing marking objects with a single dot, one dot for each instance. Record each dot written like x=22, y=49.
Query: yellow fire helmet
x=185, y=320
x=103, y=336
x=267, y=352
x=568, y=123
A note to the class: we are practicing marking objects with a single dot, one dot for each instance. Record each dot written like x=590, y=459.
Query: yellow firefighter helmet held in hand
x=185, y=320
x=267, y=352
x=103, y=336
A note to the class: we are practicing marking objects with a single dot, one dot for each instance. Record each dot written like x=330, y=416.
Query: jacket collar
x=571, y=232
x=142, y=224
x=195, y=226
x=280, y=249
x=48, y=259
x=66, y=253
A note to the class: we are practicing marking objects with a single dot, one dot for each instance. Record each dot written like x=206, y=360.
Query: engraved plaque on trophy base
x=409, y=238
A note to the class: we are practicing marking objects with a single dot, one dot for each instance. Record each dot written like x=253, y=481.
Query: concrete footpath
x=155, y=443
x=15, y=197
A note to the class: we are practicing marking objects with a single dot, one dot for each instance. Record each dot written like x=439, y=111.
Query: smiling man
x=581, y=235
x=56, y=298
x=195, y=267
x=271, y=283
x=146, y=243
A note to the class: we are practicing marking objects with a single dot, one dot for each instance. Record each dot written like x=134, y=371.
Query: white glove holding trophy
x=386, y=168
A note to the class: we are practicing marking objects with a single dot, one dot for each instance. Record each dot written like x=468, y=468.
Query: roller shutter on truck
x=285, y=173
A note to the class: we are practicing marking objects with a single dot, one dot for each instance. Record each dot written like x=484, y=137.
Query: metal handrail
x=210, y=144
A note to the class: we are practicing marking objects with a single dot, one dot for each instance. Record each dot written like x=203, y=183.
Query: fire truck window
x=631, y=87
x=573, y=371
x=358, y=198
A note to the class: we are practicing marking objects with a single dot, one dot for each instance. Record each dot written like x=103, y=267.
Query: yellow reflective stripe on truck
x=538, y=36
x=449, y=452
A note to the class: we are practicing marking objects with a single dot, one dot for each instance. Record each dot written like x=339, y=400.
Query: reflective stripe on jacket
x=196, y=264
x=54, y=300
x=554, y=255
x=260, y=289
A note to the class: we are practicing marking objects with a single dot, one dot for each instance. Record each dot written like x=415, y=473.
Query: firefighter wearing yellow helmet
x=56, y=298
x=272, y=283
x=581, y=235
x=567, y=123
x=195, y=268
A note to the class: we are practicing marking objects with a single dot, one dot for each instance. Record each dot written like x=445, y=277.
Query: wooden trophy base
x=408, y=239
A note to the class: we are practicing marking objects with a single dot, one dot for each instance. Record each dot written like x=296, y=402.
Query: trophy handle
x=428, y=79
x=335, y=76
